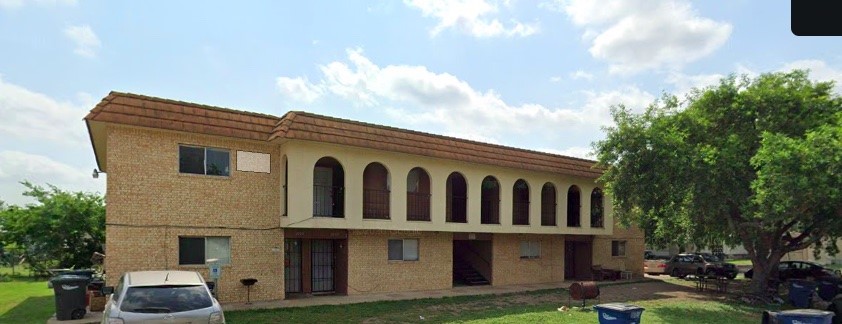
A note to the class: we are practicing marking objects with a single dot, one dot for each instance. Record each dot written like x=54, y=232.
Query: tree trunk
x=764, y=270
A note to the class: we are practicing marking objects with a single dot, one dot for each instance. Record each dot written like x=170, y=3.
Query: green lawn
x=510, y=308
x=25, y=300
x=739, y=262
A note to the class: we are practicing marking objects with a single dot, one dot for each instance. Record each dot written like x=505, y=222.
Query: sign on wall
x=253, y=162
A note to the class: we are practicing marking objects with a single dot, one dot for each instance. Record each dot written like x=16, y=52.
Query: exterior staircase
x=465, y=273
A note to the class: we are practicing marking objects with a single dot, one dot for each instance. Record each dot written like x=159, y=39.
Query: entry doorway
x=315, y=267
x=578, y=258
x=472, y=259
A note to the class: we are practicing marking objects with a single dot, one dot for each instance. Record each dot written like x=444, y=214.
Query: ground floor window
x=196, y=250
x=618, y=248
x=530, y=249
x=403, y=250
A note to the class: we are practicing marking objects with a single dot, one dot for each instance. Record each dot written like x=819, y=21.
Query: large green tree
x=61, y=229
x=756, y=162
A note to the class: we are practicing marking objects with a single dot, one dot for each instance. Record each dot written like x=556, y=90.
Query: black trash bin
x=70, y=296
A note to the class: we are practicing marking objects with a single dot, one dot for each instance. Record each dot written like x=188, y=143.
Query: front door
x=292, y=265
x=322, y=265
x=569, y=260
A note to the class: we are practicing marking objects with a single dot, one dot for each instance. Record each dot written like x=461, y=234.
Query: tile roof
x=139, y=110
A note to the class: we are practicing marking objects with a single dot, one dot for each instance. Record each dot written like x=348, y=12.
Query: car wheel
x=710, y=273
x=732, y=276
x=675, y=273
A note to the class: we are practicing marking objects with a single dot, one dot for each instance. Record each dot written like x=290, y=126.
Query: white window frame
x=225, y=261
x=530, y=249
x=205, y=160
x=404, y=249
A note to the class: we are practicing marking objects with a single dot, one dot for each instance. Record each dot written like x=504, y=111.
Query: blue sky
x=534, y=74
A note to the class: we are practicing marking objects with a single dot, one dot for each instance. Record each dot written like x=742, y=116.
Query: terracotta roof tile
x=139, y=110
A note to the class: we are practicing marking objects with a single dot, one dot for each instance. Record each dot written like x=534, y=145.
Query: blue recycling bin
x=800, y=292
x=804, y=316
x=829, y=288
x=618, y=313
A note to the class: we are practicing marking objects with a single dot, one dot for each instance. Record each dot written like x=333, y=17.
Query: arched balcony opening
x=574, y=207
x=597, y=209
x=490, y=208
x=457, y=198
x=548, y=205
x=375, y=191
x=328, y=188
x=417, y=195
x=520, y=203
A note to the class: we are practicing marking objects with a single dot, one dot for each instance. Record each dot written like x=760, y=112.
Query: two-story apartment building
x=310, y=204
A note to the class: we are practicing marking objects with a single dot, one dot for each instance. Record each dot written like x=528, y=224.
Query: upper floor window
x=520, y=203
x=203, y=160
x=597, y=208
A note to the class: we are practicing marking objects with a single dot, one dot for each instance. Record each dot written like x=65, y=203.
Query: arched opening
x=490, y=208
x=328, y=188
x=573, y=207
x=418, y=195
x=375, y=191
x=520, y=203
x=457, y=198
x=597, y=208
x=548, y=205
x=286, y=186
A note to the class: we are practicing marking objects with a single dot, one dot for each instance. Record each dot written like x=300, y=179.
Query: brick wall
x=146, y=191
x=509, y=268
x=369, y=269
x=632, y=261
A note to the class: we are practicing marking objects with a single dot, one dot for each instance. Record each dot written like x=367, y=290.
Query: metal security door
x=292, y=265
x=322, y=264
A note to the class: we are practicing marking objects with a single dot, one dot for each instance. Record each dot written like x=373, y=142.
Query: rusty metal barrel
x=584, y=290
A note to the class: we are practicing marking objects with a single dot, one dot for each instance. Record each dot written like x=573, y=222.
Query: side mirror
x=107, y=290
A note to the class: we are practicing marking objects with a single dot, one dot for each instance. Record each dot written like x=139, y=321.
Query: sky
x=539, y=75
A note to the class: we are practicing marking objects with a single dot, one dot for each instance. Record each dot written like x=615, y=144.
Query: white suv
x=161, y=296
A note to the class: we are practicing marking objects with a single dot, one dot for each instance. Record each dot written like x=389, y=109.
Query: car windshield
x=710, y=257
x=165, y=299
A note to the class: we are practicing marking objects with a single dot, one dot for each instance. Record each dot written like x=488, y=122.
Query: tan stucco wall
x=509, y=268
x=303, y=155
x=370, y=271
x=149, y=204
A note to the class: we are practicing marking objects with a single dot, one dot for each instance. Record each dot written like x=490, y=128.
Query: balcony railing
x=520, y=213
x=458, y=210
x=417, y=206
x=375, y=204
x=328, y=201
x=490, y=212
x=548, y=214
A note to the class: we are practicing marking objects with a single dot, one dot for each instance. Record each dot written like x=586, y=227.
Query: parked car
x=800, y=270
x=161, y=296
x=699, y=264
x=654, y=264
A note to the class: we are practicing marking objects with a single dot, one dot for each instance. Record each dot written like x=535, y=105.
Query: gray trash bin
x=70, y=296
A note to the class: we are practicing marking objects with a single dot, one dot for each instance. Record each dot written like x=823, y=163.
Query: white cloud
x=299, y=89
x=555, y=79
x=16, y=166
x=819, y=71
x=683, y=84
x=574, y=151
x=13, y=4
x=581, y=75
x=87, y=43
x=636, y=35
x=415, y=96
x=474, y=17
x=29, y=115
